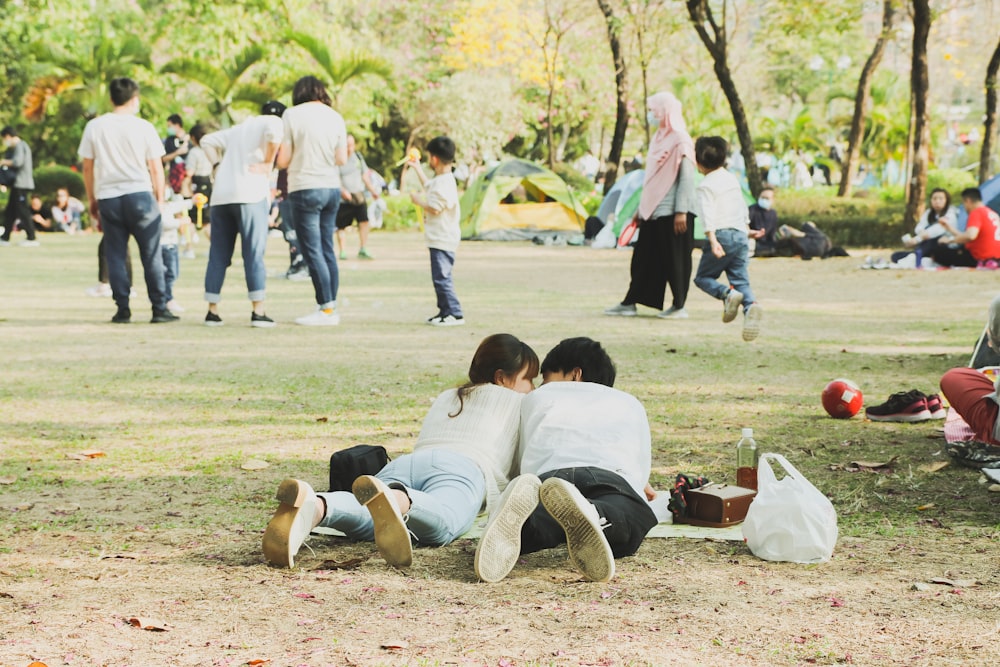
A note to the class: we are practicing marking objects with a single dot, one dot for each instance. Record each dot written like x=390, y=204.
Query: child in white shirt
x=724, y=214
x=441, y=228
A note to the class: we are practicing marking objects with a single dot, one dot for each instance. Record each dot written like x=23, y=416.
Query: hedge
x=857, y=221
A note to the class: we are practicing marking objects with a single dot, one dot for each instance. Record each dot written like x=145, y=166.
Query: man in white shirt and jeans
x=585, y=458
x=123, y=175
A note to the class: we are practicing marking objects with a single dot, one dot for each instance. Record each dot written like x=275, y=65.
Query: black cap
x=272, y=108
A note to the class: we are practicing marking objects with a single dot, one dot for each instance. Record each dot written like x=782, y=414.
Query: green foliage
x=51, y=177
x=952, y=180
x=401, y=215
x=340, y=69
x=858, y=221
x=224, y=83
x=573, y=178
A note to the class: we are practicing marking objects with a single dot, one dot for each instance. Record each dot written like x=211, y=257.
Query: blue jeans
x=171, y=269
x=137, y=215
x=314, y=213
x=442, y=263
x=734, y=263
x=446, y=492
x=250, y=222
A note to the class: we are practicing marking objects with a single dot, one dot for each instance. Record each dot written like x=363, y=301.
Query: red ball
x=842, y=399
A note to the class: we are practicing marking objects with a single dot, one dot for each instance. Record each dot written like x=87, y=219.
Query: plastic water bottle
x=746, y=460
x=918, y=254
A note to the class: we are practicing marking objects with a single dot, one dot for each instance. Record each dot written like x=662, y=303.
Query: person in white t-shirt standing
x=123, y=175
x=720, y=205
x=314, y=147
x=442, y=227
x=585, y=459
x=245, y=157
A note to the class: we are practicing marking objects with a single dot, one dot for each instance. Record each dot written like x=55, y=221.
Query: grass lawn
x=166, y=524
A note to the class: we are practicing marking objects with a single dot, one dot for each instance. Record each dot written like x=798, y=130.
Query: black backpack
x=349, y=464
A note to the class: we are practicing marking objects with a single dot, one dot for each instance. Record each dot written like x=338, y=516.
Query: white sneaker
x=391, y=536
x=751, y=322
x=446, y=321
x=175, y=307
x=731, y=305
x=622, y=310
x=500, y=545
x=672, y=313
x=291, y=523
x=318, y=318
x=99, y=290
x=29, y=244
x=589, y=550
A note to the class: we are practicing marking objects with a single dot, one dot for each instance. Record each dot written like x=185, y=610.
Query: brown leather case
x=718, y=505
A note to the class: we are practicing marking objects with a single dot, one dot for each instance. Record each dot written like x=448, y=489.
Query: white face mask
x=652, y=119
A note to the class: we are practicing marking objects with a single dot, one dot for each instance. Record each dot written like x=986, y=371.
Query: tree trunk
x=549, y=130
x=701, y=16
x=990, y=126
x=856, y=136
x=621, y=86
x=921, y=126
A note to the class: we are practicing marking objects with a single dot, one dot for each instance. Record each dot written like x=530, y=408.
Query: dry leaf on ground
x=148, y=624
x=394, y=645
x=255, y=464
x=8, y=480
x=86, y=455
x=933, y=467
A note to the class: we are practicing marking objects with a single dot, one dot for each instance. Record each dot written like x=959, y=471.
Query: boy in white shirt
x=724, y=213
x=585, y=459
x=441, y=227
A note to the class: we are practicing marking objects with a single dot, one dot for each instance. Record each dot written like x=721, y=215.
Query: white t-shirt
x=485, y=431
x=120, y=145
x=443, y=231
x=197, y=163
x=584, y=424
x=240, y=151
x=313, y=132
x=720, y=203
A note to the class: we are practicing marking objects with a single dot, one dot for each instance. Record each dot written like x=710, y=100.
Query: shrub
x=848, y=222
x=952, y=180
x=51, y=177
x=574, y=178
x=400, y=215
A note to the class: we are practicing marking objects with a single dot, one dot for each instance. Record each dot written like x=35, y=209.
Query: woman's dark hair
x=932, y=215
x=584, y=353
x=310, y=89
x=196, y=132
x=499, y=352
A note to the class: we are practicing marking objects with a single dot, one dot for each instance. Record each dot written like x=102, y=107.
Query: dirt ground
x=86, y=554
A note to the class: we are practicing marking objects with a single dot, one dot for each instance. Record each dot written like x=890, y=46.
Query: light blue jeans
x=314, y=213
x=446, y=491
x=249, y=221
x=734, y=263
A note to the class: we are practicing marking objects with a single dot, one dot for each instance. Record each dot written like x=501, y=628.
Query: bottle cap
x=748, y=433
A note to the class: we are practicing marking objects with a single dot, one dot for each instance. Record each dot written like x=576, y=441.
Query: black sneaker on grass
x=261, y=321
x=123, y=316
x=905, y=406
x=212, y=320
x=162, y=316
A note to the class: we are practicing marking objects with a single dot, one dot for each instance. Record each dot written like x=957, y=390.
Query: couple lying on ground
x=572, y=459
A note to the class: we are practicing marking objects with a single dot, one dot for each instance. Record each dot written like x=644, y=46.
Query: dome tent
x=551, y=208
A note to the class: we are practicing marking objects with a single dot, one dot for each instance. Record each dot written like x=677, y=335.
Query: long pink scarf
x=667, y=148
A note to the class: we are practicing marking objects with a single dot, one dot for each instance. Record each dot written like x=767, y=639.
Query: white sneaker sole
x=391, y=537
x=589, y=550
x=614, y=312
x=291, y=523
x=922, y=416
x=500, y=546
x=731, y=307
x=751, y=323
x=673, y=315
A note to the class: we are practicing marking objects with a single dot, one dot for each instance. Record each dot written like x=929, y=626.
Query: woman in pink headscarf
x=666, y=233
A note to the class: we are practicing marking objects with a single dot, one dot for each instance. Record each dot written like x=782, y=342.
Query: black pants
x=959, y=256
x=17, y=210
x=629, y=516
x=102, y=264
x=660, y=257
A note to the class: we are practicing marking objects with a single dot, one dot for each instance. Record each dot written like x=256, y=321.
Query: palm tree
x=341, y=70
x=224, y=82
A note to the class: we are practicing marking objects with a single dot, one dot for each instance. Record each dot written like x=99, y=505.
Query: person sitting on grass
x=928, y=230
x=584, y=460
x=465, y=452
x=974, y=396
x=979, y=244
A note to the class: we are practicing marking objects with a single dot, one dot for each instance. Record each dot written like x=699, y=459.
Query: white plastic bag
x=789, y=519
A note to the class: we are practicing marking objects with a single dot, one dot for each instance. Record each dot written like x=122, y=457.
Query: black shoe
x=161, y=316
x=260, y=321
x=212, y=320
x=123, y=316
x=905, y=406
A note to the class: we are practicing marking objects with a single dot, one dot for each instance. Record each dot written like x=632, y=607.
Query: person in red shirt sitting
x=979, y=244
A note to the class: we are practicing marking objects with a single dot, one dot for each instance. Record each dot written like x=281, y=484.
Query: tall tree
x=862, y=99
x=559, y=20
x=341, y=70
x=990, y=125
x=920, y=137
x=713, y=35
x=225, y=83
x=621, y=97
x=649, y=24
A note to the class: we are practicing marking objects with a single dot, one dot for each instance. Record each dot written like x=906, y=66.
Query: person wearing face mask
x=123, y=174
x=18, y=160
x=665, y=217
x=764, y=224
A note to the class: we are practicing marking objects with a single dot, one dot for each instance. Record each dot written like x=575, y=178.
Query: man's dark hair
x=122, y=90
x=175, y=119
x=8, y=131
x=585, y=354
x=711, y=152
x=196, y=132
x=972, y=194
x=310, y=89
x=272, y=108
x=442, y=148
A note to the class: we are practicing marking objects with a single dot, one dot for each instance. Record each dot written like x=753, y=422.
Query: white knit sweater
x=486, y=431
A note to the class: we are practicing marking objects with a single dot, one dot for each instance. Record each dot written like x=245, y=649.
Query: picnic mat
x=734, y=533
